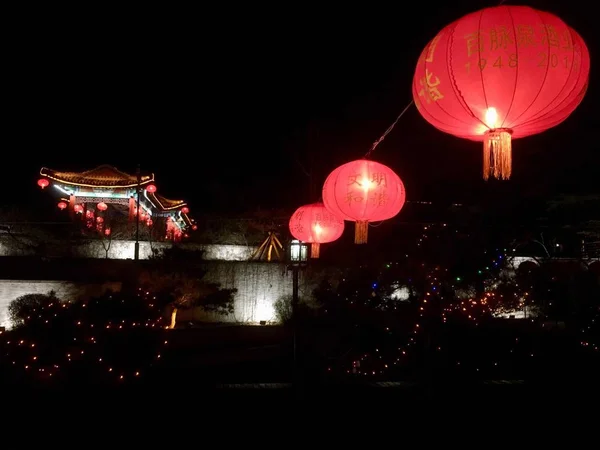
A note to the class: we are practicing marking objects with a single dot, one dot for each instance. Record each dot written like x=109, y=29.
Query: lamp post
x=298, y=257
x=136, y=251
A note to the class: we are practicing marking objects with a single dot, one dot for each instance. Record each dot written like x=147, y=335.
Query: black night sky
x=229, y=105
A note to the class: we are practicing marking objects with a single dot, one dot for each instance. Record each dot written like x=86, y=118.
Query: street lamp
x=298, y=257
x=136, y=250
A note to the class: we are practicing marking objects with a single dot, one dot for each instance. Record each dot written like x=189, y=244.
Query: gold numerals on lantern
x=552, y=61
x=499, y=62
x=430, y=90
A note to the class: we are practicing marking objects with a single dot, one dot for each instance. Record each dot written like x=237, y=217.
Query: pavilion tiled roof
x=102, y=176
x=164, y=203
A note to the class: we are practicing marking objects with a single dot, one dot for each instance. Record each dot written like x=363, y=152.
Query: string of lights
x=436, y=308
x=84, y=341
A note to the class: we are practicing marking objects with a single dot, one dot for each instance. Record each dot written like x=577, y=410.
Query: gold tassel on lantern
x=315, y=250
x=497, y=154
x=361, y=231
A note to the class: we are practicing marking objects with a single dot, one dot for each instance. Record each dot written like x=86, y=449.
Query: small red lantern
x=185, y=210
x=102, y=206
x=151, y=188
x=194, y=227
x=99, y=219
x=315, y=224
x=363, y=191
x=43, y=183
x=62, y=205
x=78, y=209
x=149, y=222
x=499, y=74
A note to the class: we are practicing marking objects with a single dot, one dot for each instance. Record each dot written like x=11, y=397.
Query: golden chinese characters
x=550, y=37
x=474, y=43
x=525, y=36
x=430, y=90
x=379, y=198
x=431, y=49
x=500, y=38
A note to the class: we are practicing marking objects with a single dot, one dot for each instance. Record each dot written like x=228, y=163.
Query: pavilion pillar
x=72, y=202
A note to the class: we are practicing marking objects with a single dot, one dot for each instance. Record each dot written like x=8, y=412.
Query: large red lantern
x=363, y=191
x=102, y=206
x=43, y=183
x=499, y=74
x=62, y=205
x=316, y=225
x=151, y=188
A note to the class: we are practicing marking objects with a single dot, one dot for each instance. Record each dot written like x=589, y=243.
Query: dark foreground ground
x=241, y=377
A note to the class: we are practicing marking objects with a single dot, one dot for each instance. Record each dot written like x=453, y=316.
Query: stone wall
x=65, y=290
x=259, y=285
x=121, y=249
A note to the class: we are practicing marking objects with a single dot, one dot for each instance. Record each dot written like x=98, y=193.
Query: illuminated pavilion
x=90, y=193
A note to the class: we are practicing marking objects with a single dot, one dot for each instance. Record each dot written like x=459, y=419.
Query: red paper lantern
x=185, y=210
x=62, y=205
x=315, y=224
x=151, y=188
x=363, y=191
x=102, y=206
x=78, y=209
x=43, y=183
x=499, y=74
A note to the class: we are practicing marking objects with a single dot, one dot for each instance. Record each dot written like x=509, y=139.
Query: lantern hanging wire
x=391, y=127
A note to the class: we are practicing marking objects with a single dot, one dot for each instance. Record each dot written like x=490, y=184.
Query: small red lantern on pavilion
x=363, y=191
x=43, y=183
x=500, y=74
x=151, y=188
x=78, y=208
x=102, y=206
x=316, y=225
x=185, y=210
x=62, y=205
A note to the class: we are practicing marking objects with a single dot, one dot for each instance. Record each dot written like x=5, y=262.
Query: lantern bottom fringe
x=315, y=250
x=361, y=231
x=497, y=154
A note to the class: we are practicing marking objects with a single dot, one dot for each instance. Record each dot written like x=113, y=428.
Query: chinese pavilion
x=89, y=193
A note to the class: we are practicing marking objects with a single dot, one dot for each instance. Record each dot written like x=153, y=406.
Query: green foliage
x=30, y=306
x=283, y=309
